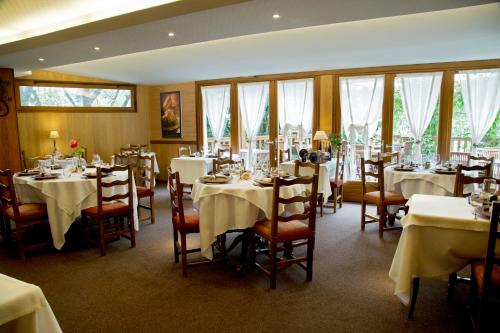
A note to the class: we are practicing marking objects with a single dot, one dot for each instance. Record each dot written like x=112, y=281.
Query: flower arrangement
x=335, y=141
x=77, y=151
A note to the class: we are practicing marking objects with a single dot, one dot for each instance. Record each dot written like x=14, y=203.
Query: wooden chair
x=315, y=167
x=109, y=208
x=33, y=161
x=337, y=182
x=183, y=224
x=380, y=198
x=183, y=151
x=122, y=159
x=485, y=274
x=216, y=164
x=221, y=153
x=459, y=157
x=389, y=158
x=289, y=230
x=461, y=180
x=479, y=160
x=24, y=216
x=145, y=185
x=285, y=155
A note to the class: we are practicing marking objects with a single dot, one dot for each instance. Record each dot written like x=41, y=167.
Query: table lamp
x=320, y=136
x=54, y=135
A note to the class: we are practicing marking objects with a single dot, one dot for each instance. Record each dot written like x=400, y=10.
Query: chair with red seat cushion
x=379, y=198
x=288, y=230
x=299, y=165
x=485, y=274
x=24, y=216
x=109, y=208
x=337, y=182
x=145, y=185
x=183, y=223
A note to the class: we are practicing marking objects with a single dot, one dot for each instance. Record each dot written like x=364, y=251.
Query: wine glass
x=96, y=160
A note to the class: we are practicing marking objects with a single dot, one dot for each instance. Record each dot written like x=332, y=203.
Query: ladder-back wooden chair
x=145, y=185
x=389, y=158
x=285, y=155
x=288, y=230
x=216, y=164
x=379, y=198
x=108, y=207
x=337, y=182
x=183, y=223
x=25, y=216
x=225, y=153
x=314, y=167
x=483, y=161
x=461, y=180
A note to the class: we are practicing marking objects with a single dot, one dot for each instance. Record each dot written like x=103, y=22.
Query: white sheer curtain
x=481, y=93
x=361, y=107
x=295, y=106
x=215, y=101
x=252, y=99
x=419, y=93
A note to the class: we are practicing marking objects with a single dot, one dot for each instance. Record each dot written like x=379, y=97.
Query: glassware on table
x=67, y=171
x=96, y=160
x=273, y=172
x=265, y=168
x=489, y=186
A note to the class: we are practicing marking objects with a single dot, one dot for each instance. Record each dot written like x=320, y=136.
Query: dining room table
x=440, y=236
x=24, y=308
x=237, y=204
x=67, y=195
x=191, y=168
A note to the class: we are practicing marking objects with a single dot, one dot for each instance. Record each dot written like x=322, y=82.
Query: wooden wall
x=102, y=133
x=166, y=149
x=10, y=155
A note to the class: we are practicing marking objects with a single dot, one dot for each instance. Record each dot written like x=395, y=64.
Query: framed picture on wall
x=171, y=114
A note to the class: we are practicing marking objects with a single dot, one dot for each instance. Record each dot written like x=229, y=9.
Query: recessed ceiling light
x=41, y=59
x=171, y=34
x=97, y=48
x=276, y=16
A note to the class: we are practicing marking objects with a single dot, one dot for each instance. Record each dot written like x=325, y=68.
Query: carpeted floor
x=142, y=290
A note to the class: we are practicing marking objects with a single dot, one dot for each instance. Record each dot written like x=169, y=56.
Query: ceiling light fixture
x=41, y=59
x=171, y=34
x=276, y=16
x=97, y=48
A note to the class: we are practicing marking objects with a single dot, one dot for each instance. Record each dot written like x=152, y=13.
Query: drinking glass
x=274, y=172
x=489, y=186
x=96, y=160
x=67, y=171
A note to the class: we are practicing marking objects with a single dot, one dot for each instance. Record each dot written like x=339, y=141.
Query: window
x=47, y=96
x=253, y=100
x=216, y=117
x=361, y=110
x=416, y=115
x=295, y=112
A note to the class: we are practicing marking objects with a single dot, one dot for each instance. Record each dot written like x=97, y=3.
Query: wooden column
x=445, y=114
x=234, y=116
x=336, y=112
x=10, y=151
x=388, y=109
x=273, y=120
x=316, y=109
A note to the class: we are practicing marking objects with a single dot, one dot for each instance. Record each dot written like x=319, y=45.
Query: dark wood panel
x=10, y=152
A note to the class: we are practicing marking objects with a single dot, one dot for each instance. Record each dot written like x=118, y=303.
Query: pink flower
x=73, y=143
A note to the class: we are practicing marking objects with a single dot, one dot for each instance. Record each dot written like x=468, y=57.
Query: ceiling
x=243, y=39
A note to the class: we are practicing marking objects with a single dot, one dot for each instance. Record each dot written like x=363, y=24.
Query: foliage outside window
x=46, y=96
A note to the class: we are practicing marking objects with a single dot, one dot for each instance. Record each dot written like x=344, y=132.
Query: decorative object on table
x=314, y=157
x=265, y=181
x=78, y=153
x=320, y=136
x=303, y=154
x=54, y=135
x=171, y=114
x=246, y=175
x=335, y=143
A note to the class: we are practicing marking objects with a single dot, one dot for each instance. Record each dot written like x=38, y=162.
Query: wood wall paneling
x=336, y=112
x=388, y=109
x=445, y=114
x=325, y=103
x=10, y=153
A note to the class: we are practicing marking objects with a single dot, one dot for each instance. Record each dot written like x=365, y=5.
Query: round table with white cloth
x=236, y=205
x=191, y=168
x=67, y=197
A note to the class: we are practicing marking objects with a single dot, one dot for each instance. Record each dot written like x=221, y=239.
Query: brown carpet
x=142, y=290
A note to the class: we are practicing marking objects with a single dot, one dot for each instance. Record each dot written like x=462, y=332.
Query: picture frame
x=171, y=114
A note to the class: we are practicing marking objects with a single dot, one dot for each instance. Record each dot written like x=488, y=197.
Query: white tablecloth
x=191, y=168
x=24, y=309
x=235, y=206
x=326, y=171
x=66, y=197
x=408, y=183
x=440, y=236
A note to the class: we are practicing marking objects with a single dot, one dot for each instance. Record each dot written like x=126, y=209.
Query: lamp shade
x=320, y=135
x=54, y=135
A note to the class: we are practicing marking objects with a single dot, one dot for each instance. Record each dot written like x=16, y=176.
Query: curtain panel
x=216, y=102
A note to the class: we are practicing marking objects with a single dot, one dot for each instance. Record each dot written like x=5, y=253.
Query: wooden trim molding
x=337, y=114
x=445, y=114
x=273, y=120
x=388, y=109
x=172, y=142
x=235, y=120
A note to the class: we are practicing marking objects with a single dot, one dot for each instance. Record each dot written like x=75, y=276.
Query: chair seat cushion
x=287, y=231
x=191, y=223
x=336, y=183
x=143, y=192
x=391, y=198
x=477, y=270
x=28, y=212
x=113, y=208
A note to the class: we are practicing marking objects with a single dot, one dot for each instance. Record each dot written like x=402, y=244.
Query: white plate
x=218, y=179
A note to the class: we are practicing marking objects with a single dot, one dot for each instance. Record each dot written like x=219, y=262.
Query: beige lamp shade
x=320, y=135
x=54, y=135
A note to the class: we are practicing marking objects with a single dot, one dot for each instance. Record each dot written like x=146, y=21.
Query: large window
x=295, y=112
x=416, y=115
x=46, y=96
x=216, y=117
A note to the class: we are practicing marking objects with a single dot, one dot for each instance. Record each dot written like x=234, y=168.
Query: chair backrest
x=310, y=165
x=339, y=165
x=491, y=258
x=285, y=155
x=225, y=153
x=216, y=164
x=176, y=190
x=34, y=161
x=376, y=170
x=144, y=173
x=483, y=161
x=101, y=199
x=122, y=159
x=8, y=196
x=393, y=158
x=310, y=197
x=184, y=151
x=459, y=157
x=461, y=180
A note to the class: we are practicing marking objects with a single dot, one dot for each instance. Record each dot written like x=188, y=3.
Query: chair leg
x=310, y=251
x=414, y=293
x=151, y=204
x=321, y=204
x=102, y=243
x=381, y=221
x=184, y=254
x=273, y=265
x=452, y=280
x=335, y=200
x=251, y=248
x=131, y=229
x=176, y=249
x=363, y=212
x=341, y=190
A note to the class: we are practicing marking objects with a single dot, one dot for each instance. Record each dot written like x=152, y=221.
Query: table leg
x=414, y=293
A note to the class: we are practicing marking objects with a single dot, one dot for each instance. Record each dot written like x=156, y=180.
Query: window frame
x=76, y=109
